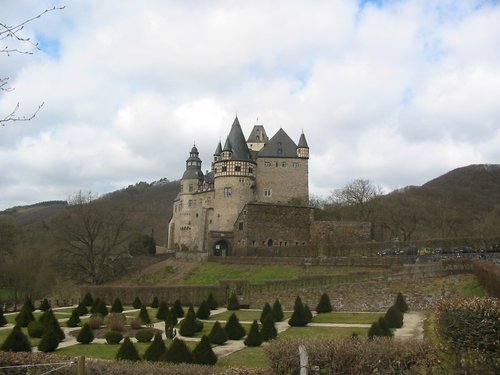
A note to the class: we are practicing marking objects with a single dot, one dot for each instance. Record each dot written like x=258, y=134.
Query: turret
x=193, y=176
x=302, y=147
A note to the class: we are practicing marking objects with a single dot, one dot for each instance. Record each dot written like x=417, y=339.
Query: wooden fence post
x=80, y=367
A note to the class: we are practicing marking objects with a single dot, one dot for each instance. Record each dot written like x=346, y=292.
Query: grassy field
x=351, y=318
x=243, y=315
x=5, y=332
x=11, y=318
x=248, y=357
x=326, y=332
x=210, y=273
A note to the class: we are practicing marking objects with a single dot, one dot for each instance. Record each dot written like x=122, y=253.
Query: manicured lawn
x=11, y=318
x=243, y=315
x=323, y=332
x=5, y=332
x=248, y=357
x=350, y=318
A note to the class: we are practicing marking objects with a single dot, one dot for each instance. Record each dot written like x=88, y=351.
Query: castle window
x=270, y=242
x=242, y=179
x=267, y=164
x=224, y=169
x=283, y=164
x=268, y=192
x=191, y=188
x=250, y=170
x=196, y=215
x=182, y=187
x=228, y=192
x=240, y=225
x=237, y=168
x=215, y=170
x=245, y=212
x=258, y=138
x=296, y=164
x=190, y=203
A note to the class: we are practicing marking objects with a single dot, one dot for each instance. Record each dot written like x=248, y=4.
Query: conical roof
x=218, y=150
x=258, y=135
x=302, y=141
x=236, y=142
x=279, y=146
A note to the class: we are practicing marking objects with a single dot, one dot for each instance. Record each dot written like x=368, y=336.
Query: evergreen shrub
x=49, y=341
x=74, y=319
x=278, y=311
x=162, y=312
x=155, y=303
x=212, y=303
x=16, y=341
x=30, y=305
x=157, y=350
x=189, y=326
x=308, y=314
x=85, y=336
x=253, y=338
x=324, y=304
x=128, y=351
x=268, y=330
x=144, y=335
x=178, y=352
x=178, y=310
x=35, y=329
x=50, y=322
x=117, y=306
x=394, y=317
x=233, y=304
x=88, y=300
x=299, y=317
x=234, y=329
x=3, y=321
x=203, y=353
x=266, y=311
x=400, y=303
x=203, y=311
x=217, y=335
x=44, y=305
x=171, y=319
x=113, y=337
x=82, y=309
x=25, y=316
x=137, y=304
x=144, y=315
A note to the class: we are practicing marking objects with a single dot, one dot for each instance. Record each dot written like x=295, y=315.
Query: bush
x=113, y=337
x=234, y=329
x=268, y=330
x=85, y=336
x=50, y=322
x=16, y=341
x=35, y=329
x=217, y=335
x=254, y=338
x=144, y=315
x=308, y=314
x=278, y=311
x=155, y=303
x=394, y=317
x=212, y=303
x=99, y=307
x=144, y=335
x=203, y=311
x=203, y=353
x=266, y=311
x=74, y=319
x=44, y=305
x=88, y=300
x=117, y=306
x=189, y=326
x=324, y=305
x=29, y=304
x=82, y=309
x=162, y=312
x=386, y=330
x=25, y=316
x=3, y=321
x=137, y=304
x=299, y=317
x=375, y=331
x=233, y=303
x=127, y=351
x=136, y=323
x=177, y=308
x=156, y=350
x=95, y=321
x=49, y=341
x=116, y=322
x=400, y=303
x=178, y=353
x=171, y=319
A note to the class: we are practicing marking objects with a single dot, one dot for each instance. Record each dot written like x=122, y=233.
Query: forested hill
x=148, y=207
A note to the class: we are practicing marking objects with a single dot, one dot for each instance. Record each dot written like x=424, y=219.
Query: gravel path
x=413, y=326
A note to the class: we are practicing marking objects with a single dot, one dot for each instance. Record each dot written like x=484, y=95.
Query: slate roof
x=279, y=146
x=258, y=135
x=236, y=142
x=302, y=141
x=218, y=150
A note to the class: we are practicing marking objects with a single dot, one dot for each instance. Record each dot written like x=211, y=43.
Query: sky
x=397, y=92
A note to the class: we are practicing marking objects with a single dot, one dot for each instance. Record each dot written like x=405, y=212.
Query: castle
x=220, y=212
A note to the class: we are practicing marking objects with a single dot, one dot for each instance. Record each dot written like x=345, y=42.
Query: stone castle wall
x=331, y=232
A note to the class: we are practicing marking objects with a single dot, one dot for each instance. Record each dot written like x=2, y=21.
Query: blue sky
x=397, y=92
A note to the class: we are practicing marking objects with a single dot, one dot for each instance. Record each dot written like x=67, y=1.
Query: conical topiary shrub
x=74, y=319
x=137, y=304
x=127, y=351
x=144, y=315
x=155, y=303
x=386, y=331
x=88, y=300
x=117, y=306
x=203, y=353
x=299, y=318
x=99, y=307
x=50, y=322
x=85, y=336
x=16, y=341
x=177, y=308
x=35, y=329
x=188, y=326
x=25, y=316
x=375, y=331
x=401, y=303
x=217, y=335
x=49, y=341
x=268, y=330
x=82, y=309
x=178, y=353
x=234, y=329
x=265, y=311
x=156, y=350
x=3, y=321
x=233, y=304
x=30, y=304
x=212, y=303
x=308, y=314
x=162, y=312
x=324, y=305
x=278, y=311
x=203, y=311
x=254, y=338
x=171, y=319
x=44, y=305
x=394, y=317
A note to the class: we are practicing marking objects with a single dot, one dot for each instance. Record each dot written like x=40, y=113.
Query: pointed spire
x=218, y=150
x=302, y=141
x=227, y=145
x=236, y=122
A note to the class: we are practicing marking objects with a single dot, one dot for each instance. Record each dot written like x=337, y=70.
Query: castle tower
x=302, y=147
x=257, y=138
x=234, y=174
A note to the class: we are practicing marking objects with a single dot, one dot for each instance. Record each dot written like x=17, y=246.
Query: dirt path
x=413, y=326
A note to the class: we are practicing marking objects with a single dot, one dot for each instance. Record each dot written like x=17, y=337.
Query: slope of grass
x=248, y=357
x=350, y=318
x=330, y=332
x=472, y=289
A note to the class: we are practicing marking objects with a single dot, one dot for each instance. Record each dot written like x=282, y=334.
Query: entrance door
x=222, y=248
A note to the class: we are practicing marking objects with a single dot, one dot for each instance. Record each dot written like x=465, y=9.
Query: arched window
x=269, y=242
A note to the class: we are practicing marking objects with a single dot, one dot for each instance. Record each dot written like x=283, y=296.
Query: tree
x=143, y=314
x=94, y=238
x=266, y=311
x=25, y=316
x=203, y=311
x=49, y=341
x=50, y=321
x=88, y=300
x=74, y=319
x=268, y=330
x=233, y=303
x=155, y=303
x=171, y=319
x=162, y=312
x=177, y=308
x=117, y=306
x=394, y=317
x=203, y=353
x=190, y=325
x=212, y=303
x=85, y=336
x=400, y=303
x=217, y=335
x=128, y=351
x=137, y=304
x=16, y=341
x=234, y=329
x=324, y=305
x=22, y=45
x=308, y=313
x=357, y=195
x=82, y=309
x=278, y=311
x=299, y=317
x=178, y=353
x=3, y=321
x=142, y=244
x=44, y=305
x=156, y=350
x=254, y=338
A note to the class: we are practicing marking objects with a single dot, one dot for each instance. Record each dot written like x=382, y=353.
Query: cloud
x=394, y=91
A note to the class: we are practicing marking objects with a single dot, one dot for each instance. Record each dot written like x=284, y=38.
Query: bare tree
x=356, y=195
x=95, y=239
x=14, y=34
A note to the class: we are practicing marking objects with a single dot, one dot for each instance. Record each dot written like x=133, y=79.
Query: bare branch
x=11, y=117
